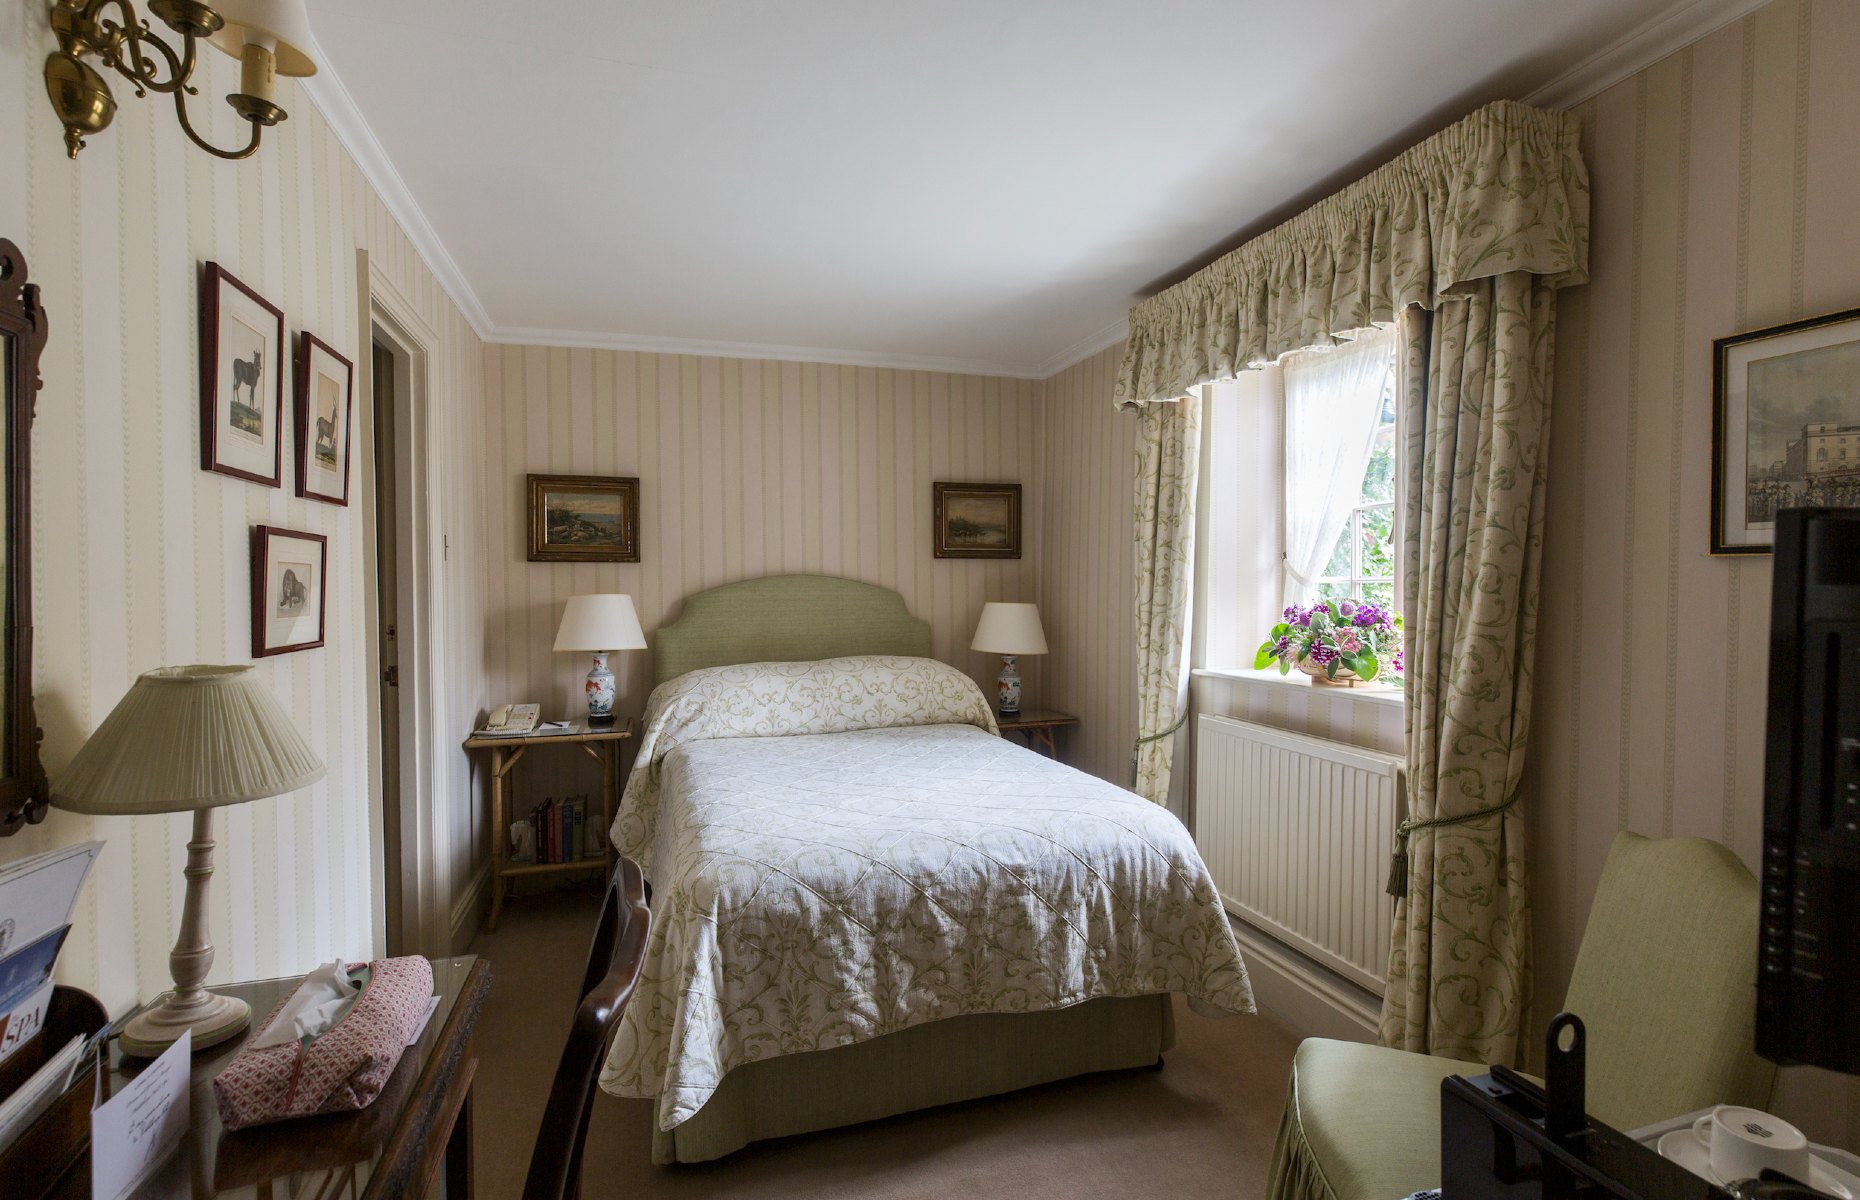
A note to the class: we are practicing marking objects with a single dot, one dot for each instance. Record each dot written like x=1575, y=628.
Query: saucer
x=1683, y=1147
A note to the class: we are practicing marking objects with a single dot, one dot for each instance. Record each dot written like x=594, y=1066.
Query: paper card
x=39, y=894
x=29, y=968
x=134, y=1130
x=25, y=1022
x=432, y=1003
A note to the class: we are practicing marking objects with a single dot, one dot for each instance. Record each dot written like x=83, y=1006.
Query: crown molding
x=707, y=348
x=332, y=99
x=1641, y=47
x=1084, y=348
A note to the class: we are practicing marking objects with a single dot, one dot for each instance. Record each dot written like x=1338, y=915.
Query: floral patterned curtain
x=1474, y=379
x=1168, y=464
x=1466, y=237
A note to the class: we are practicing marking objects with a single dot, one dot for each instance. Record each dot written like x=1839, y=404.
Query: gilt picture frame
x=583, y=518
x=289, y=590
x=243, y=358
x=325, y=411
x=1785, y=426
x=975, y=520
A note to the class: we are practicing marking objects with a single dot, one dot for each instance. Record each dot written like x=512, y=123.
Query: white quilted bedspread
x=816, y=889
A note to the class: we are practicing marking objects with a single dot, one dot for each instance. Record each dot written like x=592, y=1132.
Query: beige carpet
x=1201, y=1127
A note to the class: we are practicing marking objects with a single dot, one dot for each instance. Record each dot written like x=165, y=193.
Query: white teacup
x=1743, y=1143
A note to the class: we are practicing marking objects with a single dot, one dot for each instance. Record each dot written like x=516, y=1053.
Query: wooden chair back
x=614, y=963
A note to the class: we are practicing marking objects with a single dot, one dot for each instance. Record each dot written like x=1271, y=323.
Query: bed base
x=962, y=1058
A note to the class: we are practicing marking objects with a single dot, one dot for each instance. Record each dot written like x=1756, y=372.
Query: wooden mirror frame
x=24, y=790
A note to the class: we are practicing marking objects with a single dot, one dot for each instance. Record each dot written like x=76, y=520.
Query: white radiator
x=1297, y=832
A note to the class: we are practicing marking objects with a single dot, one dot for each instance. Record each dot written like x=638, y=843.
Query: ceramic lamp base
x=213, y=1018
x=600, y=693
x=1007, y=688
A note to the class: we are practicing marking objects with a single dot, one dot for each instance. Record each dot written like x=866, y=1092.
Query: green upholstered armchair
x=1665, y=983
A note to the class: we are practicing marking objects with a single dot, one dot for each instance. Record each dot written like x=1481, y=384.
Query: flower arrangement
x=1335, y=640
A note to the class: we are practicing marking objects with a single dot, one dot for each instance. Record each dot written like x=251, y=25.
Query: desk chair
x=1665, y=983
x=614, y=963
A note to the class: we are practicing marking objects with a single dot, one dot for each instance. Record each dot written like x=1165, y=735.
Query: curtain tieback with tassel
x=1398, y=862
x=1137, y=748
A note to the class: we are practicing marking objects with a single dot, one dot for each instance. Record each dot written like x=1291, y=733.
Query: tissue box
x=341, y=1069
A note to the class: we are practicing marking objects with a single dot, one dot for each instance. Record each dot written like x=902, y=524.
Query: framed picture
x=325, y=403
x=1785, y=426
x=584, y=518
x=976, y=520
x=242, y=354
x=288, y=590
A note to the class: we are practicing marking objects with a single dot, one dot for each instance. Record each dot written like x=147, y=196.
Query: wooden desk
x=393, y=1148
x=602, y=745
x=1038, y=724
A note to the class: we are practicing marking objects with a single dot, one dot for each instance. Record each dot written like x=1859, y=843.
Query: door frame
x=425, y=925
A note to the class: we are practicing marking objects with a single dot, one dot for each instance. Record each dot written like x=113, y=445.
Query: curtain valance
x=1501, y=190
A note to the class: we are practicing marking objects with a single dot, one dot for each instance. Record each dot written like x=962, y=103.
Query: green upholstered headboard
x=786, y=618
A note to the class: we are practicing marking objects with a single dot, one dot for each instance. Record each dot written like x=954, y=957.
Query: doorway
x=387, y=506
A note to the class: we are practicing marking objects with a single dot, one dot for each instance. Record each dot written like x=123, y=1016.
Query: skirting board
x=1303, y=996
x=468, y=913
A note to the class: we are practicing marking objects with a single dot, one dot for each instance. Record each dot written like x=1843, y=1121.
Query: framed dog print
x=325, y=402
x=242, y=356
x=584, y=518
x=1785, y=427
x=288, y=590
x=976, y=520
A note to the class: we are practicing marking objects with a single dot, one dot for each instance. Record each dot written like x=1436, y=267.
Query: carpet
x=1203, y=1126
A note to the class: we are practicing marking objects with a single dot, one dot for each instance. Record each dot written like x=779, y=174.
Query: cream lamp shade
x=279, y=26
x=600, y=622
x=1009, y=629
x=189, y=739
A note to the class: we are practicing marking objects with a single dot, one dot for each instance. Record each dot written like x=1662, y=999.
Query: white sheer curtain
x=1332, y=401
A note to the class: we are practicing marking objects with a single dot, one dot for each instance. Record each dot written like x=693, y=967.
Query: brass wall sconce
x=269, y=37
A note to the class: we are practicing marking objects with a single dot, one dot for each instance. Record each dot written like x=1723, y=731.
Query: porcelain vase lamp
x=1010, y=630
x=600, y=624
x=189, y=739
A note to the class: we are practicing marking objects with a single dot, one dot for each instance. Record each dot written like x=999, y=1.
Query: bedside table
x=602, y=744
x=1038, y=724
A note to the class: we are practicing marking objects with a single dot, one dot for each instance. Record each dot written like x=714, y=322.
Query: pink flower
x=1350, y=642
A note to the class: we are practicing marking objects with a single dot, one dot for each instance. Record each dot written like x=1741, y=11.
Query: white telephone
x=512, y=720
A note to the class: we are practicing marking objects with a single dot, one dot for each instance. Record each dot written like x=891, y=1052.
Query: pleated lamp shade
x=185, y=738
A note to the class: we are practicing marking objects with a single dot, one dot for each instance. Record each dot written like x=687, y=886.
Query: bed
x=864, y=901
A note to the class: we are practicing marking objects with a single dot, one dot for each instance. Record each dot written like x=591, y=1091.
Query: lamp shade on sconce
x=279, y=26
x=187, y=738
x=600, y=622
x=1009, y=629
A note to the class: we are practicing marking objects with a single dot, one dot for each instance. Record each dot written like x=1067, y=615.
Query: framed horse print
x=242, y=352
x=325, y=400
x=288, y=589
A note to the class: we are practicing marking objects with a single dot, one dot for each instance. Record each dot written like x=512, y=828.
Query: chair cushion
x=1370, y=1116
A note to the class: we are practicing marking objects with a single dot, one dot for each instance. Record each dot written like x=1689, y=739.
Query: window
x=1362, y=564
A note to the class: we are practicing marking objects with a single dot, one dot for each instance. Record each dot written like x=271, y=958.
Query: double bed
x=865, y=902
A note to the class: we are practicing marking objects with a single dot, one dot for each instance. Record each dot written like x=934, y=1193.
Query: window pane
x=1378, y=541
x=1378, y=593
x=1379, y=477
x=1339, y=563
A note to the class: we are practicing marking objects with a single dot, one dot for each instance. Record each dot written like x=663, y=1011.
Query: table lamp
x=600, y=623
x=1009, y=630
x=189, y=739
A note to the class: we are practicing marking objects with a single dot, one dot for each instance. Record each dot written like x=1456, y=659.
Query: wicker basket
x=1345, y=676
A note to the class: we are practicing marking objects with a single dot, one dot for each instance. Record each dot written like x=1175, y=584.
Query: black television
x=1808, y=957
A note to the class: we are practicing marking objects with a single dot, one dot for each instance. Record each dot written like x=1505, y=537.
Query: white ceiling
x=976, y=184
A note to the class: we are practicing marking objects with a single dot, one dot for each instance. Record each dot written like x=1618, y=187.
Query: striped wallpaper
x=141, y=559
x=1724, y=180
x=746, y=468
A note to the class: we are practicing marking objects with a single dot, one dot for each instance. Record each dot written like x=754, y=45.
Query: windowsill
x=1369, y=693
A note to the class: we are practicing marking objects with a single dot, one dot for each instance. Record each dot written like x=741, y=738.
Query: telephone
x=512, y=720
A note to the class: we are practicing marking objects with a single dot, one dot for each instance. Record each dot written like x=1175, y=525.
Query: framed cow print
x=288, y=589
x=325, y=400
x=242, y=355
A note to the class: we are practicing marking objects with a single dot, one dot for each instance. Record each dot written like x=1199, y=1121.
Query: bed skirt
x=962, y=1058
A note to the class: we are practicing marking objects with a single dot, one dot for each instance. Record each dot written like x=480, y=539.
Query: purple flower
x=1345, y=608
x=1398, y=660
x=1321, y=654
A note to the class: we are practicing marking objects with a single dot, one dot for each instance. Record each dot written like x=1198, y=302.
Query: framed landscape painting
x=976, y=520
x=288, y=590
x=1785, y=426
x=242, y=357
x=325, y=402
x=584, y=518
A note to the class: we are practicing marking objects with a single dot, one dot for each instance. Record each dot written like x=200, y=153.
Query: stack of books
x=561, y=826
